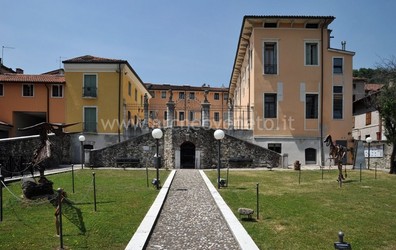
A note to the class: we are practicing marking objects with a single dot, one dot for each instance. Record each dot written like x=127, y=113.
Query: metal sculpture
x=337, y=153
x=43, y=152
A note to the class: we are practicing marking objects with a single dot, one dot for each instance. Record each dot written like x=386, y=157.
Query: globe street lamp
x=218, y=135
x=157, y=134
x=81, y=138
x=368, y=140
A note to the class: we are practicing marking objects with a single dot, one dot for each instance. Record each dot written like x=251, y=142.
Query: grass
x=123, y=199
x=309, y=215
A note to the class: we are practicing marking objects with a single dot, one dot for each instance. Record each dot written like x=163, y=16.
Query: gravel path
x=190, y=218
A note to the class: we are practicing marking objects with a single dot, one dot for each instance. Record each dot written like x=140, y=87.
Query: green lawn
x=309, y=215
x=123, y=199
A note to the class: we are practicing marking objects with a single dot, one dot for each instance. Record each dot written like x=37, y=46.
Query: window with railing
x=89, y=87
x=270, y=58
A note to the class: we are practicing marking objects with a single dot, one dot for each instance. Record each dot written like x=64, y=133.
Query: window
x=312, y=26
x=270, y=58
x=165, y=115
x=270, y=25
x=216, y=116
x=129, y=88
x=152, y=114
x=89, y=88
x=136, y=95
x=311, y=106
x=27, y=90
x=277, y=147
x=163, y=94
x=181, y=95
x=1, y=89
x=337, y=102
x=217, y=96
x=270, y=105
x=368, y=118
x=338, y=66
x=192, y=95
x=311, y=53
x=181, y=116
x=191, y=116
x=225, y=96
x=89, y=119
x=57, y=90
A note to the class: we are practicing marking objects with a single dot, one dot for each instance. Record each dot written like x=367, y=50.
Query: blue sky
x=175, y=41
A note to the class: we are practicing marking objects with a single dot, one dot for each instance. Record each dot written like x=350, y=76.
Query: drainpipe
x=321, y=96
x=119, y=101
x=48, y=103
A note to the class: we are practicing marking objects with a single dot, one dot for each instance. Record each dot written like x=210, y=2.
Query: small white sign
x=376, y=151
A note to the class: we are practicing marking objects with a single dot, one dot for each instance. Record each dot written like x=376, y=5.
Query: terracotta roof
x=151, y=86
x=32, y=78
x=372, y=86
x=93, y=59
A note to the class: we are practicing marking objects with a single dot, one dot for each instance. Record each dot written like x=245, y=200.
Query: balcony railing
x=89, y=92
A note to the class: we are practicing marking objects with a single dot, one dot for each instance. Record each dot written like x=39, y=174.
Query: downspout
x=321, y=96
x=48, y=103
x=119, y=102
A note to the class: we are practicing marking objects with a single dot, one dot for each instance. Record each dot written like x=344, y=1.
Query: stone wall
x=15, y=151
x=144, y=148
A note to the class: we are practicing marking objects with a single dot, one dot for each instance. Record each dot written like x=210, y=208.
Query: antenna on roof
x=60, y=61
x=2, y=53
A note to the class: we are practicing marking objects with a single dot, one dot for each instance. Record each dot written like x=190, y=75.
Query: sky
x=185, y=42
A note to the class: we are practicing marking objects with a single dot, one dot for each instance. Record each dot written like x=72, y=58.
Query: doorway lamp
x=157, y=135
x=219, y=135
x=81, y=138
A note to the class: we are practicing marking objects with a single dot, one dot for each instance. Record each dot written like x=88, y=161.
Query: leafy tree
x=386, y=104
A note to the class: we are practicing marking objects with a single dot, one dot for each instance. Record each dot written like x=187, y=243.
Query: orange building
x=188, y=105
x=290, y=87
x=26, y=100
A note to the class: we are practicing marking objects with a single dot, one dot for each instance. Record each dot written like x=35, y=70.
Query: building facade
x=290, y=87
x=188, y=102
x=106, y=96
x=26, y=100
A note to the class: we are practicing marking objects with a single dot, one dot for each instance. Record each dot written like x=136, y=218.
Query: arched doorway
x=187, y=155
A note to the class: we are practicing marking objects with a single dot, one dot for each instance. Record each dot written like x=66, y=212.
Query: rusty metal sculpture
x=43, y=152
x=337, y=153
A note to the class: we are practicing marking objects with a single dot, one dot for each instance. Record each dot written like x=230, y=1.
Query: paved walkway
x=190, y=218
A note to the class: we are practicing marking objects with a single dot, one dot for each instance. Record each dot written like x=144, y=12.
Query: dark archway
x=187, y=155
x=310, y=156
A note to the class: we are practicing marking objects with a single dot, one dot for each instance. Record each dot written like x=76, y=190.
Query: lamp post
x=219, y=135
x=81, y=138
x=157, y=134
x=368, y=140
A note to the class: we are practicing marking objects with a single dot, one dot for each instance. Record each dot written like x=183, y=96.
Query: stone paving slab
x=190, y=218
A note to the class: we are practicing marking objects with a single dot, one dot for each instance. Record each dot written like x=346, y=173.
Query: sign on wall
x=376, y=151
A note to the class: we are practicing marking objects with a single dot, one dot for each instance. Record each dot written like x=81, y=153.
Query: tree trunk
x=392, y=159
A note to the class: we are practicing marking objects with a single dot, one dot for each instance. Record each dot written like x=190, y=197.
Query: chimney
x=19, y=71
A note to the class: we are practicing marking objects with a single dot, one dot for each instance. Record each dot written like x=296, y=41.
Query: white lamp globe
x=219, y=134
x=81, y=138
x=369, y=139
x=157, y=133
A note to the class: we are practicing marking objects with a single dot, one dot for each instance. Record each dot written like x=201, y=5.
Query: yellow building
x=105, y=95
x=290, y=87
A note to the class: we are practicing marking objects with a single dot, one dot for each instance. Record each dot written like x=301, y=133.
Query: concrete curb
x=243, y=238
x=139, y=239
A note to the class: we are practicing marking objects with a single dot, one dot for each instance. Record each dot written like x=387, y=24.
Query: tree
x=386, y=104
